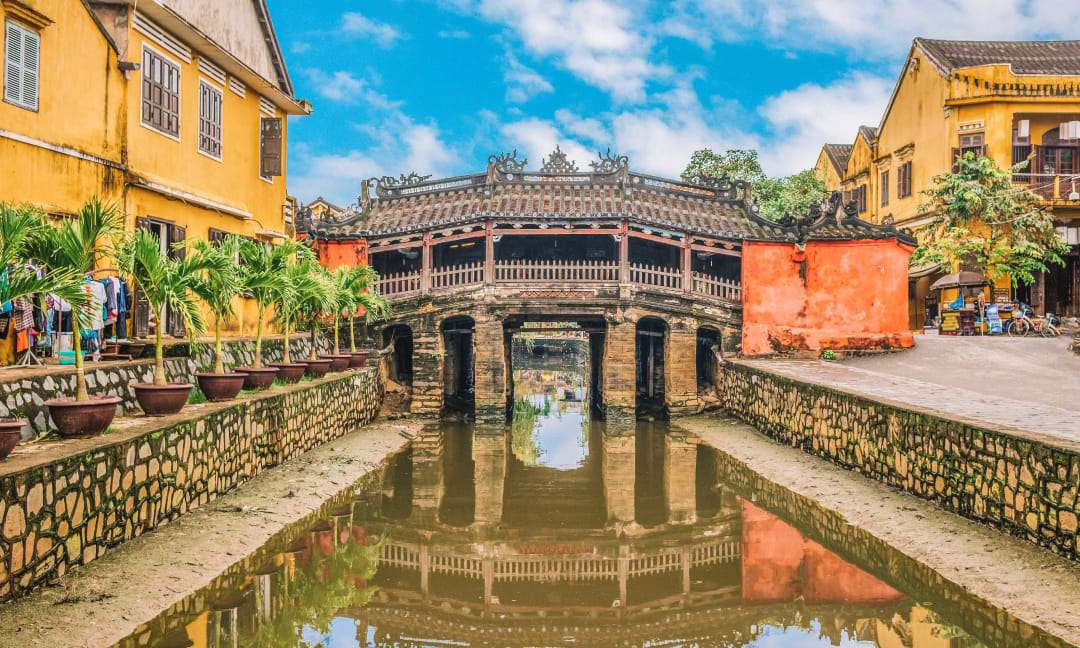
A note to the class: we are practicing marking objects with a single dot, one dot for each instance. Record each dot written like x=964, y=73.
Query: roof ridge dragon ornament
x=557, y=163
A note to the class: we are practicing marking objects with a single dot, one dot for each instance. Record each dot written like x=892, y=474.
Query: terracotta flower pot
x=290, y=373
x=133, y=349
x=221, y=387
x=257, y=378
x=337, y=362
x=10, y=434
x=357, y=359
x=162, y=400
x=75, y=419
x=317, y=368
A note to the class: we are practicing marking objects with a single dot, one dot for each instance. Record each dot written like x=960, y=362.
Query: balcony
x=1053, y=187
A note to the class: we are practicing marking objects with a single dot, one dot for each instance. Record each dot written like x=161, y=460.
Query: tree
x=262, y=270
x=353, y=289
x=166, y=281
x=775, y=196
x=219, y=284
x=21, y=229
x=75, y=246
x=981, y=218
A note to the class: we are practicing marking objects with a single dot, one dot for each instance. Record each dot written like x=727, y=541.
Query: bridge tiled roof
x=560, y=192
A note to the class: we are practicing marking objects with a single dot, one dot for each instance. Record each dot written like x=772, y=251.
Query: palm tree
x=165, y=281
x=310, y=292
x=75, y=246
x=21, y=227
x=353, y=290
x=219, y=285
x=262, y=269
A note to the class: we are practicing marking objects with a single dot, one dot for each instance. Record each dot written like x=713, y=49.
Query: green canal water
x=561, y=530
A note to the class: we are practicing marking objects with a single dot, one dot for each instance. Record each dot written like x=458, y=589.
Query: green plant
x=75, y=246
x=165, y=280
x=196, y=396
x=828, y=354
x=22, y=227
x=311, y=295
x=261, y=274
x=776, y=197
x=981, y=218
x=218, y=284
x=354, y=288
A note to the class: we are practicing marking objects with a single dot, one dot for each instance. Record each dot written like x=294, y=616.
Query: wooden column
x=425, y=571
x=489, y=254
x=624, y=253
x=425, y=265
x=686, y=284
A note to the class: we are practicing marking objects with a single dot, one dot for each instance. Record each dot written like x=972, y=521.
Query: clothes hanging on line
x=24, y=314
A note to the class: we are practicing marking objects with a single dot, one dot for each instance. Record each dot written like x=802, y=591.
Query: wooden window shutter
x=142, y=223
x=270, y=148
x=1036, y=165
x=22, y=51
x=215, y=236
x=884, y=188
x=177, y=235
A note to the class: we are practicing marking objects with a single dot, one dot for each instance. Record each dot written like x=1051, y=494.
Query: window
x=209, y=120
x=884, y=188
x=860, y=198
x=903, y=181
x=972, y=143
x=21, y=65
x=160, y=93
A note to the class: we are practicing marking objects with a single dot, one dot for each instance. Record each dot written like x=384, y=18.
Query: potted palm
x=355, y=292
x=310, y=297
x=74, y=248
x=21, y=227
x=218, y=285
x=297, y=284
x=165, y=281
x=261, y=276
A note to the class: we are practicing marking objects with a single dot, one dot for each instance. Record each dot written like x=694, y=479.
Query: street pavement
x=1027, y=383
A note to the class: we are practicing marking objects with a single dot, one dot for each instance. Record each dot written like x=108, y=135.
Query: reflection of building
x=1007, y=100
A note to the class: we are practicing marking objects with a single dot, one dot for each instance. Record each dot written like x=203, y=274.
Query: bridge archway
x=399, y=362
x=708, y=345
x=649, y=345
x=459, y=378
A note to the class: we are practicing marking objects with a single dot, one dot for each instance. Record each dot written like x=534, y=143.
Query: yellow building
x=1008, y=100
x=831, y=164
x=173, y=109
x=322, y=208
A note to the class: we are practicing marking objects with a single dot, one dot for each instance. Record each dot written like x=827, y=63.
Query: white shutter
x=22, y=49
x=13, y=64
x=31, y=50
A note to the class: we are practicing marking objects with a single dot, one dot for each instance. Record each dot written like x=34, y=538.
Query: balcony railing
x=512, y=271
x=1050, y=186
x=540, y=273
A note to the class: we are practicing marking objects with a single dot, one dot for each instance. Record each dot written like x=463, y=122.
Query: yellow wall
x=825, y=170
x=859, y=169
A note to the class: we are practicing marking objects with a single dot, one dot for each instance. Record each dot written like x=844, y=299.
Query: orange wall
x=333, y=254
x=842, y=295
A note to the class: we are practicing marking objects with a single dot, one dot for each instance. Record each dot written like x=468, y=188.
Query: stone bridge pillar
x=619, y=457
x=492, y=378
x=680, y=479
x=427, y=483
x=620, y=371
x=490, y=460
x=680, y=368
x=427, y=392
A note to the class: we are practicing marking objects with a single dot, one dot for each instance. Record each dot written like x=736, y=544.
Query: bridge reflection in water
x=553, y=531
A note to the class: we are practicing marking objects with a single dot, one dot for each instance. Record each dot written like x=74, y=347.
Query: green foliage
x=981, y=218
x=220, y=282
x=828, y=354
x=196, y=396
x=775, y=196
x=22, y=228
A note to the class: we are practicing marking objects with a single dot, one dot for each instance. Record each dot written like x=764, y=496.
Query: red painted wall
x=839, y=295
x=778, y=564
x=333, y=254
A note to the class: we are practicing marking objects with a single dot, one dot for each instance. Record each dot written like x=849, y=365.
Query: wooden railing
x=656, y=276
x=717, y=287
x=1050, y=186
x=545, y=273
x=557, y=271
x=458, y=275
x=401, y=284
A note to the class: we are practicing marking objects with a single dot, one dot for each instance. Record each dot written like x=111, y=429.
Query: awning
x=960, y=279
x=919, y=271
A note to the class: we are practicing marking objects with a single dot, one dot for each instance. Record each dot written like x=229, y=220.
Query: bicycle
x=1023, y=325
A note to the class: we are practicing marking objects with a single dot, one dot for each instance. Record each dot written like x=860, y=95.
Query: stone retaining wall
x=989, y=624
x=1009, y=479
x=69, y=503
x=24, y=397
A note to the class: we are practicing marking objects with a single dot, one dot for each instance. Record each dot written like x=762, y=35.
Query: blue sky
x=437, y=86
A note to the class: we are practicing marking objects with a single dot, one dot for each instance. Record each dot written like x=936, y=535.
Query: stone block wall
x=620, y=371
x=24, y=397
x=1020, y=484
x=61, y=508
x=489, y=356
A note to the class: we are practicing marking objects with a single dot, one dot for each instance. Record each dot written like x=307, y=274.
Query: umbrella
x=958, y=279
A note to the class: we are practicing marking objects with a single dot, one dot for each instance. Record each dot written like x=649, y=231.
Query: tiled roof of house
x=1025, y=57
x=838, y=155
x=869, y=133
x=560, y=192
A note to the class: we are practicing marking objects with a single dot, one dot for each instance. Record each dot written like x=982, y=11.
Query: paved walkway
x=1031, y=383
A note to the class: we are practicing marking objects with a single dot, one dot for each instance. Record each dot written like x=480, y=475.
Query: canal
x=561, y=530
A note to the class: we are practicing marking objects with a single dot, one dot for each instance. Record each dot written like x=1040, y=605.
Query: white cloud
x=458, y=34
x=589, y=129
x=344, y=87
x=299, y=47
x=383, y=34
x=523, y=83
x=880, y=28
x=804, y=118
